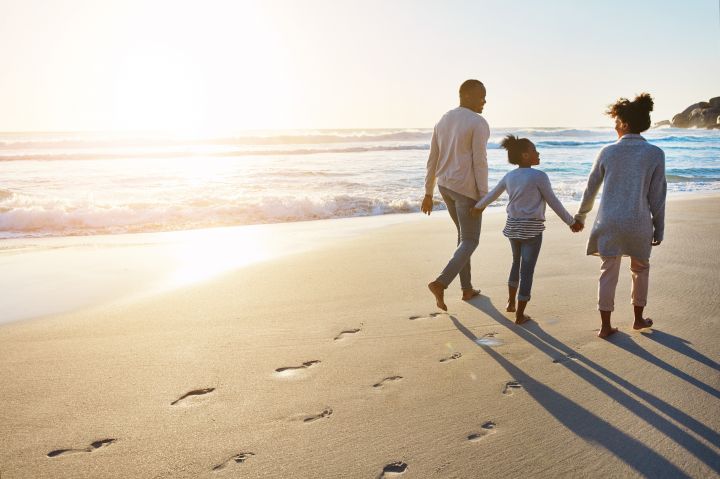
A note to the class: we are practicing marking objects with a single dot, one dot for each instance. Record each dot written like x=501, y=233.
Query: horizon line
x=220, y=131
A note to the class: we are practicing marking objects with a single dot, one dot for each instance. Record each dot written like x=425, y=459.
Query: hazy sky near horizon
x=229, y=65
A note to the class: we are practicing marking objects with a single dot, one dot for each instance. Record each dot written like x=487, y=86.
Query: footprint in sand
x=393, y=470
x=194, y=392
x=387, y=380
x=429, y=316
x=345, y=333
x=509, y=386
x=451, y=357
x=485, y=430
x=92, y=447
x=291, y=370
x=567, y=357
x=237, y=458
x=489, y=339
x=327, y=412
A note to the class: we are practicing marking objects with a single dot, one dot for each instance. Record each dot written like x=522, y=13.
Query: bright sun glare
x=202, y=254
x=155, y=90
x=227, y=75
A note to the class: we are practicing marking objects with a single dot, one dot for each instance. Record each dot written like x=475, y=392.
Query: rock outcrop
x=705, y=114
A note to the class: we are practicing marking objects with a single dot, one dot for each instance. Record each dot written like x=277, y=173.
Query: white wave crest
x=81, y=218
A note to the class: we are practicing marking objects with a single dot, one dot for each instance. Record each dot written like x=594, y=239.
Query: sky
x=214, y=65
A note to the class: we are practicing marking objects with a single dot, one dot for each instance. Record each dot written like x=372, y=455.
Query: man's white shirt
x=458, y=154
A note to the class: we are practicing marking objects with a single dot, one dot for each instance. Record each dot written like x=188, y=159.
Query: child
x=528, y=190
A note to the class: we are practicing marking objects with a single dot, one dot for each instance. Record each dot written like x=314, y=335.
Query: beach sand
x=184, y=383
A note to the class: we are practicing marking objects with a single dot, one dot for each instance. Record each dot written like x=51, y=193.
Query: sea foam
x=79, y=183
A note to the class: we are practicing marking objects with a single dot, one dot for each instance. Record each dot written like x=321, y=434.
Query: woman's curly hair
x=636, y=113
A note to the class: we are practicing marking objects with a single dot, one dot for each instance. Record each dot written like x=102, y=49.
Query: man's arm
x=432, y=164
x=427, y=203
x=481, y=134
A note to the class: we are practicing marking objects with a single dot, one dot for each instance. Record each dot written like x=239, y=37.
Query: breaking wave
x=65, y=219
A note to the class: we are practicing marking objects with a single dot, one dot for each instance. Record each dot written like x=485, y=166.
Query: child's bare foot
x=469, y=294
x=605, y=332
x=520, y=316
x=641, y=323
x=438, y=290
x=512, y=293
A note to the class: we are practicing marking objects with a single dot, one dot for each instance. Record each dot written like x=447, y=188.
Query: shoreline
x=106, y=269
x=19, y=240
x=117, y=268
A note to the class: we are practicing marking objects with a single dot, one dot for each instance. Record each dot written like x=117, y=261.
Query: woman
x=631, y=216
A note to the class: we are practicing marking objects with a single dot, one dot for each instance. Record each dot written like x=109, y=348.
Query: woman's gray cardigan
x=632, y=208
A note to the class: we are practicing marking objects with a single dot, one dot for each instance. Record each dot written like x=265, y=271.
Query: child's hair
x=515, y=147
x=636, y=113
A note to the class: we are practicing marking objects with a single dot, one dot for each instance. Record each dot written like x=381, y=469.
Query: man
x=458, y=162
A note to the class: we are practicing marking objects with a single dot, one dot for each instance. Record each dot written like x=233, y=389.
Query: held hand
x=476, y=212
x=577, y=227
x=656, y=243
x=427, y=205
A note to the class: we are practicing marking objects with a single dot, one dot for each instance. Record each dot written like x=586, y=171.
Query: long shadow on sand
x=681, y=346
x=626, y=343
x=590, y=426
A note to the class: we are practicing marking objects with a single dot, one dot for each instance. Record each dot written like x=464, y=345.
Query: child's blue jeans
x=525, y=254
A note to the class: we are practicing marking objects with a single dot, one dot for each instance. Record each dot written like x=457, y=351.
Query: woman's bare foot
x=606, y=329
x=641, y=323
x=438, y=290
x=605, y=332
x=469, y=294
x=522, y=319
x=510, y=307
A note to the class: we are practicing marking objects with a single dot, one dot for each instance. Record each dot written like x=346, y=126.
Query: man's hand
x=656, y=243
x=577, y=227
x=476, y=212
x=427, y=205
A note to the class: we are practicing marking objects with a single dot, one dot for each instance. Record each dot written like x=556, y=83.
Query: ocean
x=64, y=184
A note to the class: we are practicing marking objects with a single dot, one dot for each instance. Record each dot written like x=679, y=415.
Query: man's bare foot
x=438, y=290
x=510, y=307
x=605, y=332
x=641, y=323
x=469, y=294
x=522, y=319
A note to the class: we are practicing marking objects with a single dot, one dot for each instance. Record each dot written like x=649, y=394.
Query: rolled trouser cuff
x=609, y=272
x=523, y=298
x=640, y=269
